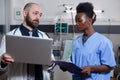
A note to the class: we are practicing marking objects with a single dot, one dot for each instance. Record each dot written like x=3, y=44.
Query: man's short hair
x=28, y=6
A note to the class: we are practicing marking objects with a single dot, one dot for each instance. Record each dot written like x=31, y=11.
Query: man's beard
x=31, y=23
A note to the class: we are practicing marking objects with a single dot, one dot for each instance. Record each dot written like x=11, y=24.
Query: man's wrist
x=3, y=65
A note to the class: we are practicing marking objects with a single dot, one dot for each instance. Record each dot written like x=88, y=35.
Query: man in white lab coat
x=22, y=71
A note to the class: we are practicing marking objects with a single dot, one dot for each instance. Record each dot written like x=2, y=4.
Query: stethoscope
x=19, y=27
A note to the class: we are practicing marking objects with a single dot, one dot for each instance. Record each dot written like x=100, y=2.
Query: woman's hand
x=86, y=70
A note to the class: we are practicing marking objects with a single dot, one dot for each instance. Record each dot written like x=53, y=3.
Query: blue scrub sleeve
x=107, y=54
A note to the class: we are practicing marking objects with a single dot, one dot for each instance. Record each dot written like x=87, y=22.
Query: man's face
x=32, y=23
x=33, y=16
x=82, y=21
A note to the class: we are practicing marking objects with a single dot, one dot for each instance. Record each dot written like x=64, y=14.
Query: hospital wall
x=108, y=22
x=53, y=10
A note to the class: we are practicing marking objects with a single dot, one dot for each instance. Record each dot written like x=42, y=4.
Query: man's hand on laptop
x=6, y=59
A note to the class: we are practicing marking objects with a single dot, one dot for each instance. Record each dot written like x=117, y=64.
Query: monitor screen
x=61, y=27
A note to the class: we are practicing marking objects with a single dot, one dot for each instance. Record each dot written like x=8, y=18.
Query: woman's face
x=82, y=21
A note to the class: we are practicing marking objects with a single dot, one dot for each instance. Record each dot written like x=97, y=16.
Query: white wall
x=2, y=12
x=53, y=9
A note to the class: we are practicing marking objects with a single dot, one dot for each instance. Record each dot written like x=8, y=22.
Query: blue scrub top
x=95, y=51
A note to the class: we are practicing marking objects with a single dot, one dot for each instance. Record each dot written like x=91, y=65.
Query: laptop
x=26, y=49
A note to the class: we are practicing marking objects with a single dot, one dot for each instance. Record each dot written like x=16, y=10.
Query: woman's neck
x=89, y=31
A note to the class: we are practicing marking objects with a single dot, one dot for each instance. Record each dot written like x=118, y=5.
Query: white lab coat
x=18, y=71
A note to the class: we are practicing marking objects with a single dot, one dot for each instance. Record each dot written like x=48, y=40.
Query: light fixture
x=98, y=11
x=70, y=11
x=74, y=11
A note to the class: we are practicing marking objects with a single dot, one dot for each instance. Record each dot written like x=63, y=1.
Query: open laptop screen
x=26, y=49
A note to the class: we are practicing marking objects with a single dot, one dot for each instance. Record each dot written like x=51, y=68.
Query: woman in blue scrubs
x=92, y=51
